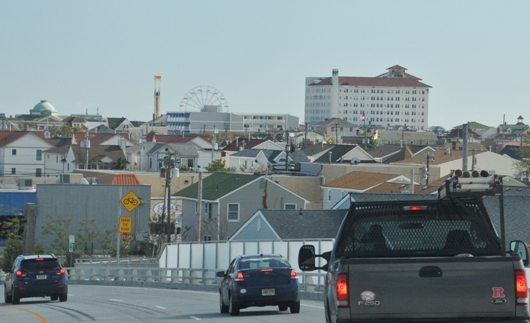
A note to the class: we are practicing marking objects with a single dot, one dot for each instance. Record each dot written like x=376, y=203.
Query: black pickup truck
x=416, y=261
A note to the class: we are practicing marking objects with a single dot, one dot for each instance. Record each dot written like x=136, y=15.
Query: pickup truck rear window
x=437, y=230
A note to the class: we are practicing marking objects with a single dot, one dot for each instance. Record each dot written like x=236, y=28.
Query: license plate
x=41, y=276
x=267, y=292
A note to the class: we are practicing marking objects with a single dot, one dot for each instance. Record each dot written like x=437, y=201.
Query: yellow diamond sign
x=130, y=201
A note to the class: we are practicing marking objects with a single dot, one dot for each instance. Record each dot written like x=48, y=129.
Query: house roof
x=7, y=137
x=305, y=224
x=161, y=138
x=97, y=153
x=244, y=142
x=337, y=153
x=359, y=180
x=333, y=121
x=108, y=177
x=98, y=138
x=115, y=122
x=217, y=185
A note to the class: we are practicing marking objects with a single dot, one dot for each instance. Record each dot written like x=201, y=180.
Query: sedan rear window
x=254, y=263
x=45, y=263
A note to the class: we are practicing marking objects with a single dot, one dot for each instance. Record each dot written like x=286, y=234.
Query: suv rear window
x=45, y=263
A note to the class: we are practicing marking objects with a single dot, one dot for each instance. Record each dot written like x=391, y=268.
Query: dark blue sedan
x=259, y=280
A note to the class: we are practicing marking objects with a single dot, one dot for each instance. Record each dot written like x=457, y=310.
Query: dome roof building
x=44, y=108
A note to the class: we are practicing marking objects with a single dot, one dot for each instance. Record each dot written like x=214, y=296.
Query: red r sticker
x=498, y=292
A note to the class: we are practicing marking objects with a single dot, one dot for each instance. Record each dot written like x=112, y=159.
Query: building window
x=38, y=172
x=233, y=212
x=39, y=154
x=13, y=152
x=290, y=206
x=13, y=171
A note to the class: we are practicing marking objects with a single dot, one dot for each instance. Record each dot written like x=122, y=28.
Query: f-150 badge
x=498, y=295
x=368, y=299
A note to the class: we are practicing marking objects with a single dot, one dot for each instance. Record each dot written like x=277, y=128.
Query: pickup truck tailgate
x=424, y=288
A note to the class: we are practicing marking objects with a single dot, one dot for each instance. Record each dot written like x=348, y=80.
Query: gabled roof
x=301, y=224
x=7, y=137
x=152, y=137
x=217, y=185
x=115, y=122
x=97, y=153
x=337, y=154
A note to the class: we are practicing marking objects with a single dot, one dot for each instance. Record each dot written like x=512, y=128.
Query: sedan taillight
x=20, y=273
x=239, y=277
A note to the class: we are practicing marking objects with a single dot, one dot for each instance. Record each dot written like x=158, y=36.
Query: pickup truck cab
x=422, y=261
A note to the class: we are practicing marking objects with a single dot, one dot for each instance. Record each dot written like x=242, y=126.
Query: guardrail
x=309, y=282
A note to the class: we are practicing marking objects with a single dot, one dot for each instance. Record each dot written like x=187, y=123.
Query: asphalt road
x=132, y=304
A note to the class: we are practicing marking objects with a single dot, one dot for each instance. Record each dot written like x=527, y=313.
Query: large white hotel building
x=394, y=98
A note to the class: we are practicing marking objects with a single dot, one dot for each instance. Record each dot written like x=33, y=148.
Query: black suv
x=35, y=276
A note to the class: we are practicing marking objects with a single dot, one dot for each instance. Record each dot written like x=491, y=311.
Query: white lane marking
x=116, y=300
x=161, y=307
x=195, y=318
x=320, y=307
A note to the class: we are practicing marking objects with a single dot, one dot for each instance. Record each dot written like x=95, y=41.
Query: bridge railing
x=310, y=282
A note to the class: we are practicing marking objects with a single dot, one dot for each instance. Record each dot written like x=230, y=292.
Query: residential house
x=358, y=182
x=266, y=161
x=207, y=147
x=228, y=200
x=337, y=128
x=119, y=124
x=445, y=161
x=101, y=152
x=278, y=225
x=149, y=156
x=21, y=153
x=332, y=154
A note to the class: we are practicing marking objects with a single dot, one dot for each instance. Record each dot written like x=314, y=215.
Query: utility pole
x=286, y=151
x=199, y=208
x=169, y=164
x=305, y=137
x=336, y=133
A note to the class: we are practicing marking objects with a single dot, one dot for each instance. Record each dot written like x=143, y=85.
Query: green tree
x=14, y=240
x=58, y=228
x=218, y=165
x=330, y=141
x=120, y=164
x=67, y=130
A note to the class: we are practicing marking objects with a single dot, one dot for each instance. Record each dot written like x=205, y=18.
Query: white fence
x=216, y=256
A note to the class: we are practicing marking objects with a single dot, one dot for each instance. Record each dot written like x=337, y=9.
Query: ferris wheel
x=204, y=98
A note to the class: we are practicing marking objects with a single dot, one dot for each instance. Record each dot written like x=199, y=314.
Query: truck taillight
x=521, y=287
x=342, y=290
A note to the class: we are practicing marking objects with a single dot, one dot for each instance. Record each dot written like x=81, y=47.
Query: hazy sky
x=82, y=55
